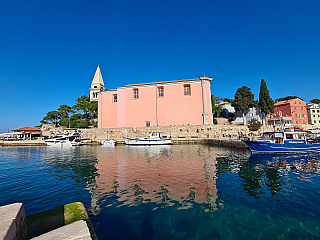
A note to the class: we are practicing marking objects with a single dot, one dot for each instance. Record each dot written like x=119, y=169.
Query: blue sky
x=49, y=50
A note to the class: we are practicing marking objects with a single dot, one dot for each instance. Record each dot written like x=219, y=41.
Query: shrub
x=254, y=125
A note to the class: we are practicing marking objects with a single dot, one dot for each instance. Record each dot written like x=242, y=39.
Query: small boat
x=64, y=140
x=109, y=142
x=154, y=138
x=284, y=141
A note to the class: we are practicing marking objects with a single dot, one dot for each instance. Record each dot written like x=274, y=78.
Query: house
x=178, y=102
x=283, y=121
x=227, y=108
x=313, y=112
x=295, y=108
x=248, y=115
x=27, y=132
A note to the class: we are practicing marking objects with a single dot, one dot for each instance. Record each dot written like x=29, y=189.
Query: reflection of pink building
x=179, y=102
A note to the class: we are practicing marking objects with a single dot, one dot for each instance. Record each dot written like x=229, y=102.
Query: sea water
x=170, y=192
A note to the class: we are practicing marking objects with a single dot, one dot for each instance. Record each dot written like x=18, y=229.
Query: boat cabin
x=280, y=137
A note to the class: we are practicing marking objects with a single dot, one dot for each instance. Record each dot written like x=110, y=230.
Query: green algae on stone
x=51, y=219
x=74, y=212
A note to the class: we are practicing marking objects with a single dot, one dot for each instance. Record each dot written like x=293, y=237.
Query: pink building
x=179, y=102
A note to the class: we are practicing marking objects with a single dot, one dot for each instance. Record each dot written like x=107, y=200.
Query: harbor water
x=170, y=192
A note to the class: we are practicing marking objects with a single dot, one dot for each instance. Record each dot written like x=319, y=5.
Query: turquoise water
x=170, y=192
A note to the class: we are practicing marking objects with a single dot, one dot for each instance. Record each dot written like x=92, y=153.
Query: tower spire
x=97, y=85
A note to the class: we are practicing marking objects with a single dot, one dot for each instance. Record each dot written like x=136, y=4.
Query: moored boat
x=154, y=138
x=64, y=140
x=285, y=141
x=109, y=142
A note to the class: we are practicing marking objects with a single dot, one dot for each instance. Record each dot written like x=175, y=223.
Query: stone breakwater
x=211, y=134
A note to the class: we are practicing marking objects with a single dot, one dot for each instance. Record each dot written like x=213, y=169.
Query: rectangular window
x=317, y=111
x=160, y=92
x=299, y=102
x=302, y=115
x=314, y=121
x=115, y=98
x=148, y=124
x=136, y=93
x=313, y=111
x=301, y=108
x=304, y=122
x=296, y=115
x=187, y=90
x=296, y=122
x=295, y=108
x=295, y=102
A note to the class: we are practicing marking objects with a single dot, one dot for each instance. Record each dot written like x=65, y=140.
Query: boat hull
x=59, y=143
x=134, y=141
x=287, y=146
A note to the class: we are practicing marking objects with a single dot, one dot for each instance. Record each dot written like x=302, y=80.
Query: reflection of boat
x=108, y=142
x=66, y=140
x=304, y=161
x=285, y=141
x=154, y=138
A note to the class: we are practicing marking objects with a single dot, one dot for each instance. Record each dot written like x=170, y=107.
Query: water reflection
x=161, y=174
x=173, y=175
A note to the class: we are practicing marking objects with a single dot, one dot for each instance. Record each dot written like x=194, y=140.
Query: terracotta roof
x=286, y=101
x=223, y=103
x=27, y=129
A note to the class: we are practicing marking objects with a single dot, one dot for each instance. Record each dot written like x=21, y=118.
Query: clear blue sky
x=49, y=50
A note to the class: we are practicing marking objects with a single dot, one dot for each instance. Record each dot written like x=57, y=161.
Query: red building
x=295, y=108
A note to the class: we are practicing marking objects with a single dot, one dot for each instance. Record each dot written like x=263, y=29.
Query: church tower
x=97, y=85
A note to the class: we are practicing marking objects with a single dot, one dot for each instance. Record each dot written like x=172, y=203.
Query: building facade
x=314, y=114
x=179, y=102
x=248, y=115
x=295, y=108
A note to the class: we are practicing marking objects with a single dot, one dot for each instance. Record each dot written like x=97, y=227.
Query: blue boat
x=282, y=142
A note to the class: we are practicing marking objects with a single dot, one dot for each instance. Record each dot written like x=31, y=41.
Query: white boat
x=64, y=140
x=154, y=138
x=109, y=142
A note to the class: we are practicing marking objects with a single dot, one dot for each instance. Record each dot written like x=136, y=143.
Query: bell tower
x=97, y=85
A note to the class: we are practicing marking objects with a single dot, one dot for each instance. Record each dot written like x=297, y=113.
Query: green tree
x=287, y=98
x=228, y=100
x=51, y=117
x=266, y=103
x=93, y=106
x=82, y=105
x=216, y=109
x=65, y=111
x=316, y=100
x=243, y=100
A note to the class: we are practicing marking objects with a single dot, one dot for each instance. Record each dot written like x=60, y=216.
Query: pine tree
x=243, y=100
x=266, y=103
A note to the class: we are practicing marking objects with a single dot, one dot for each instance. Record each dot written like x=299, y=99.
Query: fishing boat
x=284, y=141
x=154, y=138
x=65, y=140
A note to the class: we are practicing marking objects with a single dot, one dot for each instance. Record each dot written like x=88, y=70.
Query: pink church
x=179, y=102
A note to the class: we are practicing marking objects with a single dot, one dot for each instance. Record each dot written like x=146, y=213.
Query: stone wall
x=175, y=132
